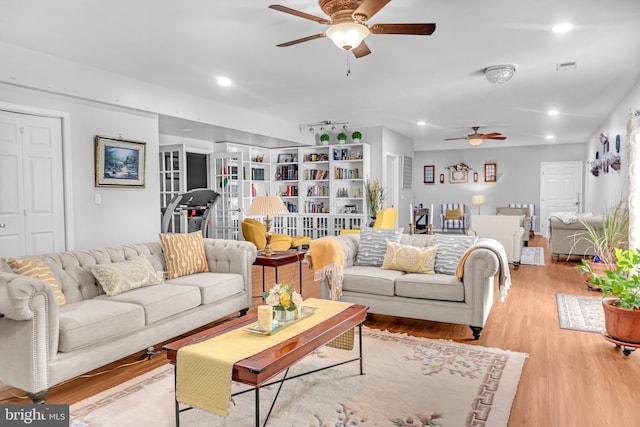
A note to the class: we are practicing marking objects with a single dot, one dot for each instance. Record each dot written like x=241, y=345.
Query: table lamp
x=477, y=200
x=266, y=206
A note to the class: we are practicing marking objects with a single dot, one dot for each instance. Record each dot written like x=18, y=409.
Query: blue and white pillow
x=450, y=250
x=373, y=245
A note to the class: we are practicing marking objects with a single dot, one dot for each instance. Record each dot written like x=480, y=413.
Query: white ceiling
x=185, y=44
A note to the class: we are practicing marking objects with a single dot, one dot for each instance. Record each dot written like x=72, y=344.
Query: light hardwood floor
x=569, y=379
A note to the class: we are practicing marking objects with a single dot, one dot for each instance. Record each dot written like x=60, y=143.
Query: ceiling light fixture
x=499, y=74
x=565, y=27
x=549, y=137
x=421, y=123
x=347, y=35
x=553, y=112
x=475, y=140
x=224, y=81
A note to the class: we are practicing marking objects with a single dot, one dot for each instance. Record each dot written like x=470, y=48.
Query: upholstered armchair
x=254, y=232
x=506, y=229
x=522, y=213
x=453, y=216
x=532, y=212
x=386, y=219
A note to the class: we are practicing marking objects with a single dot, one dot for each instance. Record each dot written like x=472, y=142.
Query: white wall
x=518, y=175
x=605, y=190
x=125, y=215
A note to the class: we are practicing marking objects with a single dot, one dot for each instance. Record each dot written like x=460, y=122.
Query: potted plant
x=356, y=136
x=324, y=138
x=342, y=138
x=621, y=288
x=613, y=235
x=375, y=197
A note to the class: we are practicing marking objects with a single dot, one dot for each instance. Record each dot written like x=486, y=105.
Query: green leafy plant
x=624, y=282
x=375, y=197
x=342, y=136
x=614, y=234
x=325, y=137
x=356, y=135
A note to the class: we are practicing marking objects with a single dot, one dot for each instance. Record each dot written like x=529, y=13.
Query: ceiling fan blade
x=416, y=29
x=453, y=139
x=497, y=137
x=361, y=50
x=488, y=135
x=302, y=40
x=369, y=8
x=300, y=14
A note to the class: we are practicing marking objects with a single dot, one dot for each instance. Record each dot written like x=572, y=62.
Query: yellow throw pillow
x=38, y=269
x=118, y=277
x=453, y=214
x=184, y=254
x=409, y=258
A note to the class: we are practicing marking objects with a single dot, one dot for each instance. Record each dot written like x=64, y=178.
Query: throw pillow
x=453, y=214
x=409, y=258
x=373, y=245
x=38, y=269
x=184, y=254
x=118, y=277
x=450, y=250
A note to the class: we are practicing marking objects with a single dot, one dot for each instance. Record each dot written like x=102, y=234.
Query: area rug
x=532, y=255
x=408, y=382
x=580, y=313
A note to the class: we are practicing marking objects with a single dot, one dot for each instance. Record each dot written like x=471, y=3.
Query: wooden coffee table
x=257, y=370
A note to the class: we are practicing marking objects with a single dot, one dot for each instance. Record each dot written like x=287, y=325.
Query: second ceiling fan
x=348, y=27
x=476, y=138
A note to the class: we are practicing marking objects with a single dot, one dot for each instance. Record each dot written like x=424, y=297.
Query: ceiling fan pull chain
x=348, y=64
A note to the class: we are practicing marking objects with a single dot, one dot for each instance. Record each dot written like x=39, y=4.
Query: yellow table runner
x=204, y=369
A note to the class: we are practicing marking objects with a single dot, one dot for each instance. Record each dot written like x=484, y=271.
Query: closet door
x=31, y=185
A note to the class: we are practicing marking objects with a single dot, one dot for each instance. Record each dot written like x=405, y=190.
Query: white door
x=31, y=185
x=560, y=190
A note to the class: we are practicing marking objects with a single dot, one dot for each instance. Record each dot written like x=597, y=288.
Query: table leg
x=300, y=267
x=276, y=274
x=360, y=345
x=175, y=394
x=257, y=406
x=263, y=278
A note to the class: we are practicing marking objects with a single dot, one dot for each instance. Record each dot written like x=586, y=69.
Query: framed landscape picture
x=119, y=162
x=429, y=174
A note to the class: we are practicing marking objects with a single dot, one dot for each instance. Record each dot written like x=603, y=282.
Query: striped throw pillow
x=184, y=254
x=38, y=269
x=373, y=245
x=450, y=250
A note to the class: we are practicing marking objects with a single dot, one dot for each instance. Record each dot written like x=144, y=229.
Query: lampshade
x=267, y=205
x=477, y=200
x=347, y=35
x=475, y=141
x=499, y=74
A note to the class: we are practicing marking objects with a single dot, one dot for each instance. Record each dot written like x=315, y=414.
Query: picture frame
x=490, y=172
x=429, y=174
x=475, y=177
x=441, y=178
x=458, y=176
x=119, y=162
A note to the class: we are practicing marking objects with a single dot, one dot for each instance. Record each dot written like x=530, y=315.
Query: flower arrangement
x=459, y=167
x=283, y=297
x=375, y=197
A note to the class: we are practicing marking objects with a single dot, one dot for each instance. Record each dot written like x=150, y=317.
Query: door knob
x=3, y=225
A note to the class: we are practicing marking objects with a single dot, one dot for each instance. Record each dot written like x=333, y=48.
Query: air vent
x=566, y=66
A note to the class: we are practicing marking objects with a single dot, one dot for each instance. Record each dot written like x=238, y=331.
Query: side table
x=279, y=259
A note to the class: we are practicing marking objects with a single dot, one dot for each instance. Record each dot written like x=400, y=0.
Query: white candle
x=265, y=318
x=410, y=213
x=431, y=215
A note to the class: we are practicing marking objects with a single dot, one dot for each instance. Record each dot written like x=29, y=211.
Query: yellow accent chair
x=254, y=231
x=385, y=219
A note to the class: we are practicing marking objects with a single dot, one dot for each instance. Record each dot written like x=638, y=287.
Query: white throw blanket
x=504, y=275
x=569, y=217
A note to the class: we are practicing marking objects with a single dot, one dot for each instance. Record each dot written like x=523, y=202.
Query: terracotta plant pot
x=621, y=324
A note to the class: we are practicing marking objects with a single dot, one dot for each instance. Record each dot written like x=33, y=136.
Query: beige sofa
x=506, y=229
x=568, y=236
x=43, y=344
x=437, y=297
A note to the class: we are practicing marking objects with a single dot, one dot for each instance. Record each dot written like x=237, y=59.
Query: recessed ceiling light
x=186, y=129
x=421, y=123
x=224, y=81
x=549, y=137
x=564, y=27
x=553, y=112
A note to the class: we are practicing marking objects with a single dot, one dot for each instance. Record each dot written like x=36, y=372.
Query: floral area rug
x=580, y=313
x=408, y=382
x=532, y=255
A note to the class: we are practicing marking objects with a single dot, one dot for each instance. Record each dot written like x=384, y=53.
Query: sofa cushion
x=370, y=280
x=213, y=286
x=161, y=301
x=118, y=277
x=450, y=250
x=92, y=321
x=442, y=287
x=373, y=245
x=38, y=269
x=410, y=259
x=184, y=254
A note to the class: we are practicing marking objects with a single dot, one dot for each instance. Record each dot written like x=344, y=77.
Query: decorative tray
x=276, y=327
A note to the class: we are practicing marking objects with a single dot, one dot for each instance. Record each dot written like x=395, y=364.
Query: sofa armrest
x=17, y=295
x=231, y=256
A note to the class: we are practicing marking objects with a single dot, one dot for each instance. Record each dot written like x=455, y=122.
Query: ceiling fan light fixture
x=347, y=35
x=475, y=141
x=499, y=74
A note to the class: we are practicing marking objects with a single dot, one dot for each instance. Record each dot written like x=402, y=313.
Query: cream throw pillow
x=118, y=277
x=452, y=214
x=409, y=258
x=184, y=254
x=38, y=269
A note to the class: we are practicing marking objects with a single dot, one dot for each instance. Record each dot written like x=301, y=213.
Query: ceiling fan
x=348, y=28
x=476, y=138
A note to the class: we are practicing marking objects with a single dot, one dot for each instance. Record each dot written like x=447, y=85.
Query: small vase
x=342, y=141
x=356, y=140
x=282, y=317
